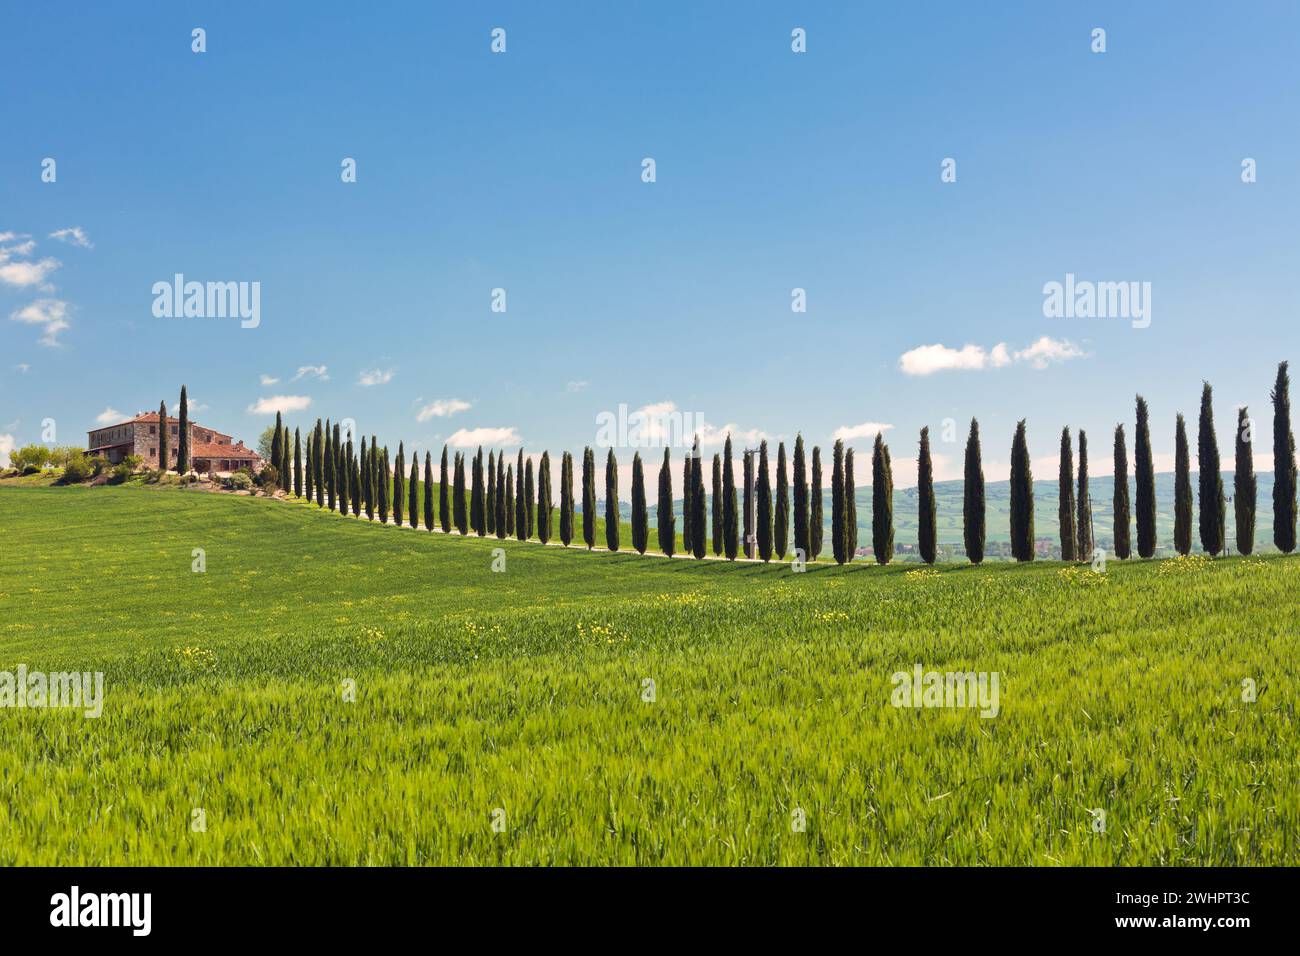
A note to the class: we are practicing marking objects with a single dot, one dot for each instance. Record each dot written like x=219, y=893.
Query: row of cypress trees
x=508, y=500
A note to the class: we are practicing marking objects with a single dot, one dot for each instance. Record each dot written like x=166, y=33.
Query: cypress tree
x=476, y=519
x=1284, y=465
x=399, y=473
x=458, y=495
x=331, y=462
x=749, y=522
x=490, y=502
x=297, y=462
x=717, y=503
x=344, y=471
x=1243, y=485
x=566, y=498
x=1083, y=505
x=1065, y=508
x=499, y=499
x=162, y=438
x=927, y=532
x=413, y=489
x=1182, y=490
x=781, y=528
x=730, y=519
x=686, y=503
x=367, y=487
x=764, y=504
x=277, y=441
x=664, y=520
x=340, y=476
x=1022, y=497
x=640, y=520
x=816, y=521
x=611, y=501
x=318, y=464
x=1121, y=532
x=354, y=479
x=838, y=536
x=286, y=473
x=850, y=508
x=882, y=501
x=444, y=506
x=972, y=493
x=1211, y=481
x=384, y=486
x=698, y=542
x=510, y=497
x=801, y=539
x=183, y=439
x=589, y=498
x=544, y=498
x=428, y=491
x=1144, y=499
x=530, y=498
x=307, y=472
x=521, y=500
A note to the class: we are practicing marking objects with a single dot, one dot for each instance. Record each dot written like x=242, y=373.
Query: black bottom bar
x=333, y=906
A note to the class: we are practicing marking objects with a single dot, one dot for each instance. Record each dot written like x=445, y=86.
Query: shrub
x=34, y=457
x=269, y=479
x=133, y=462
x=239, y=481
x=119, y=474
x=98, y=465
x=76, y=470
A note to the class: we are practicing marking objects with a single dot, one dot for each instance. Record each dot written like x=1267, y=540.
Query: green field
x=523, y=691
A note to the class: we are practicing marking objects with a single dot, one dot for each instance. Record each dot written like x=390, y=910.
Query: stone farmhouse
x=210, y=451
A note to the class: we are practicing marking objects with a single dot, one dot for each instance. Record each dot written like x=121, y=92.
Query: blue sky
x=775, y=170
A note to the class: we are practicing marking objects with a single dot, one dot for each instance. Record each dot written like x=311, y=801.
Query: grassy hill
x=522, y=697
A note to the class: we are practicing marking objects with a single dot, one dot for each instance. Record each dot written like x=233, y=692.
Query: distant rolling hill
x=997, y=497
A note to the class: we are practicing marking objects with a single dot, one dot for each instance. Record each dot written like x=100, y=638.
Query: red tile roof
x=204, y=450
x=145, y=417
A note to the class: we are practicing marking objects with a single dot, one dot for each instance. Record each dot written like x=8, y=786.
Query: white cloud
x=1048, y=350
x=375, y=376
x=11, y=236
x=662, y=424
x=280, y=403
x=317, y=371
x=270, y=380
x=865, y=430
x=108, y=416
x=473, y=437
x=74, y=235
x=50, y=313
x=25, y=274
x=7, y=444
x=711, y=437
x=24, y=248
x=22, y=367
x=928, y=359
x=576, y=386
x=442, y=408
